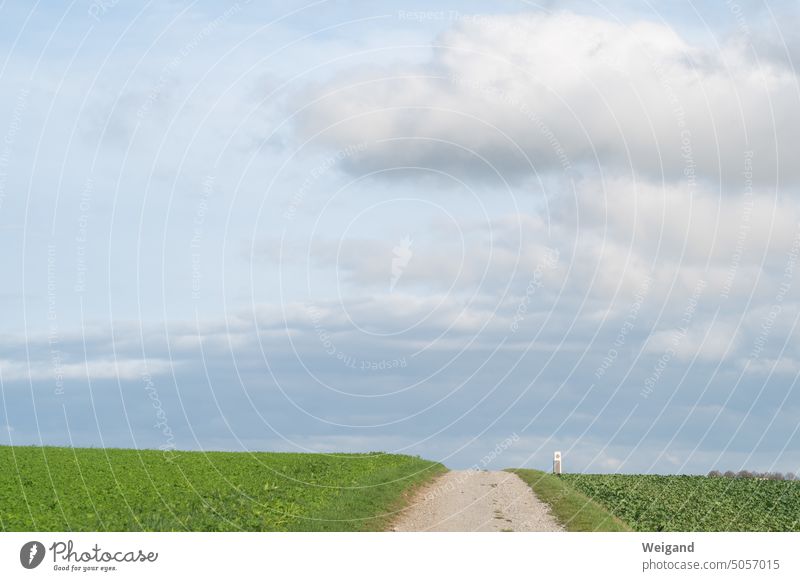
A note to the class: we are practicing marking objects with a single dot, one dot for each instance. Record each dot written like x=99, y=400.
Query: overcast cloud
x=389, y=228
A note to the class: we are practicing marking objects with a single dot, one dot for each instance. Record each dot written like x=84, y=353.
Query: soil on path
x=476, y=500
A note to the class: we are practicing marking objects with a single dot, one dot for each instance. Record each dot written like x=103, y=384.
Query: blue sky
x=387, y=226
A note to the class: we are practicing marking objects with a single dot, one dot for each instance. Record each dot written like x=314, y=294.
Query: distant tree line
x=755, y=475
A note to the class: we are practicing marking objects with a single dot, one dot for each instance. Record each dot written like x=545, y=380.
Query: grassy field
x=694, y=503
x=572, y=509
x=65, y=489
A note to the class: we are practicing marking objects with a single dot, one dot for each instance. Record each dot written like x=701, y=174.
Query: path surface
x=472, y=500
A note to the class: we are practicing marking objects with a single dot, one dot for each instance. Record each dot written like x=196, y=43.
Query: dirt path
x=471, y=500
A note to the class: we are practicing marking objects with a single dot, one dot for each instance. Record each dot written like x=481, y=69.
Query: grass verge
x=575, y=511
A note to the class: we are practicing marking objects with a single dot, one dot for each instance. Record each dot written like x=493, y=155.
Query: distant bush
x=747, y=474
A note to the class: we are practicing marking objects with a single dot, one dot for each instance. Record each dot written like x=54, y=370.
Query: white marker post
x=557, y=463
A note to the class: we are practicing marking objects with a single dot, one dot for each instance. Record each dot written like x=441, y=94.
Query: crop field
x=65, y=489
x=694, y=503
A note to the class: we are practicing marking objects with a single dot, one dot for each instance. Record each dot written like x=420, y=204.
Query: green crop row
x=64, y=489
x=694, y=503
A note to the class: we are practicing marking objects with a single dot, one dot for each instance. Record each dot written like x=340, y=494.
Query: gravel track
x=476, y=500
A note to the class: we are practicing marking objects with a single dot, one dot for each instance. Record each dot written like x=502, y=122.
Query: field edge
x=573, y=509
x=407, y=496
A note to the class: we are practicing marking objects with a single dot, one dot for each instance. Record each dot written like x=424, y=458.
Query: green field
x=694, y=503
x=65, y=489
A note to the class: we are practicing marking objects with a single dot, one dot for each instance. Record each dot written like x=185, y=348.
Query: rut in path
x=473, y=500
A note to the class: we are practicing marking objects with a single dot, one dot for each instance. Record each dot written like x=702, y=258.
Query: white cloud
x=784, y=365
x=538, y=92
x=711, y=342
x=124, y=369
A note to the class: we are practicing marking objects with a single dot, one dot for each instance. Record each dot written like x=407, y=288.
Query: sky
x=478, y=232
